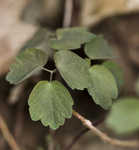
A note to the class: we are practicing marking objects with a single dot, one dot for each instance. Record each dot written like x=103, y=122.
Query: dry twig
x=7, y=135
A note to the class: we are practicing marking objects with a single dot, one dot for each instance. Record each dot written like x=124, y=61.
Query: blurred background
x=29, y=23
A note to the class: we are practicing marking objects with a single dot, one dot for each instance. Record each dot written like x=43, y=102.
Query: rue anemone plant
x=50, y=101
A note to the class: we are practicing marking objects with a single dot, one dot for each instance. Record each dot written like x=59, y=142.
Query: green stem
x=50, y=71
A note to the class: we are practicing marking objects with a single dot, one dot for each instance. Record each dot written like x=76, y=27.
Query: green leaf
x=37, y=38
x=103, y=87
x=116, y=71
x=124, y=116
x=40, y=40
x=73, y=69
x=61, y=32
x=27, y=63
x=71, y=38
x=51, y=103
x=98, y=48
x=137, y=86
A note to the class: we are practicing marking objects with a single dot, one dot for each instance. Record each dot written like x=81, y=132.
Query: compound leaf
x=51, y=103
x=27, y=63
x=98, y=48
x=103, y=87
x=71, y=38
x=116, y=71
x=124, y=116
x=73, y=69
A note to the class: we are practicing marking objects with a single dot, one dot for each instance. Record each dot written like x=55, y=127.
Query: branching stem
x=76, y=138
x=103, y=136
x=50, y=71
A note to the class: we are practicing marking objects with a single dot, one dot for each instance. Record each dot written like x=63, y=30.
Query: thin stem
x=7, y=135
x=76, y=138
x=51, y=141
x=51, y=76
x=103, y=136
x=50, y=71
